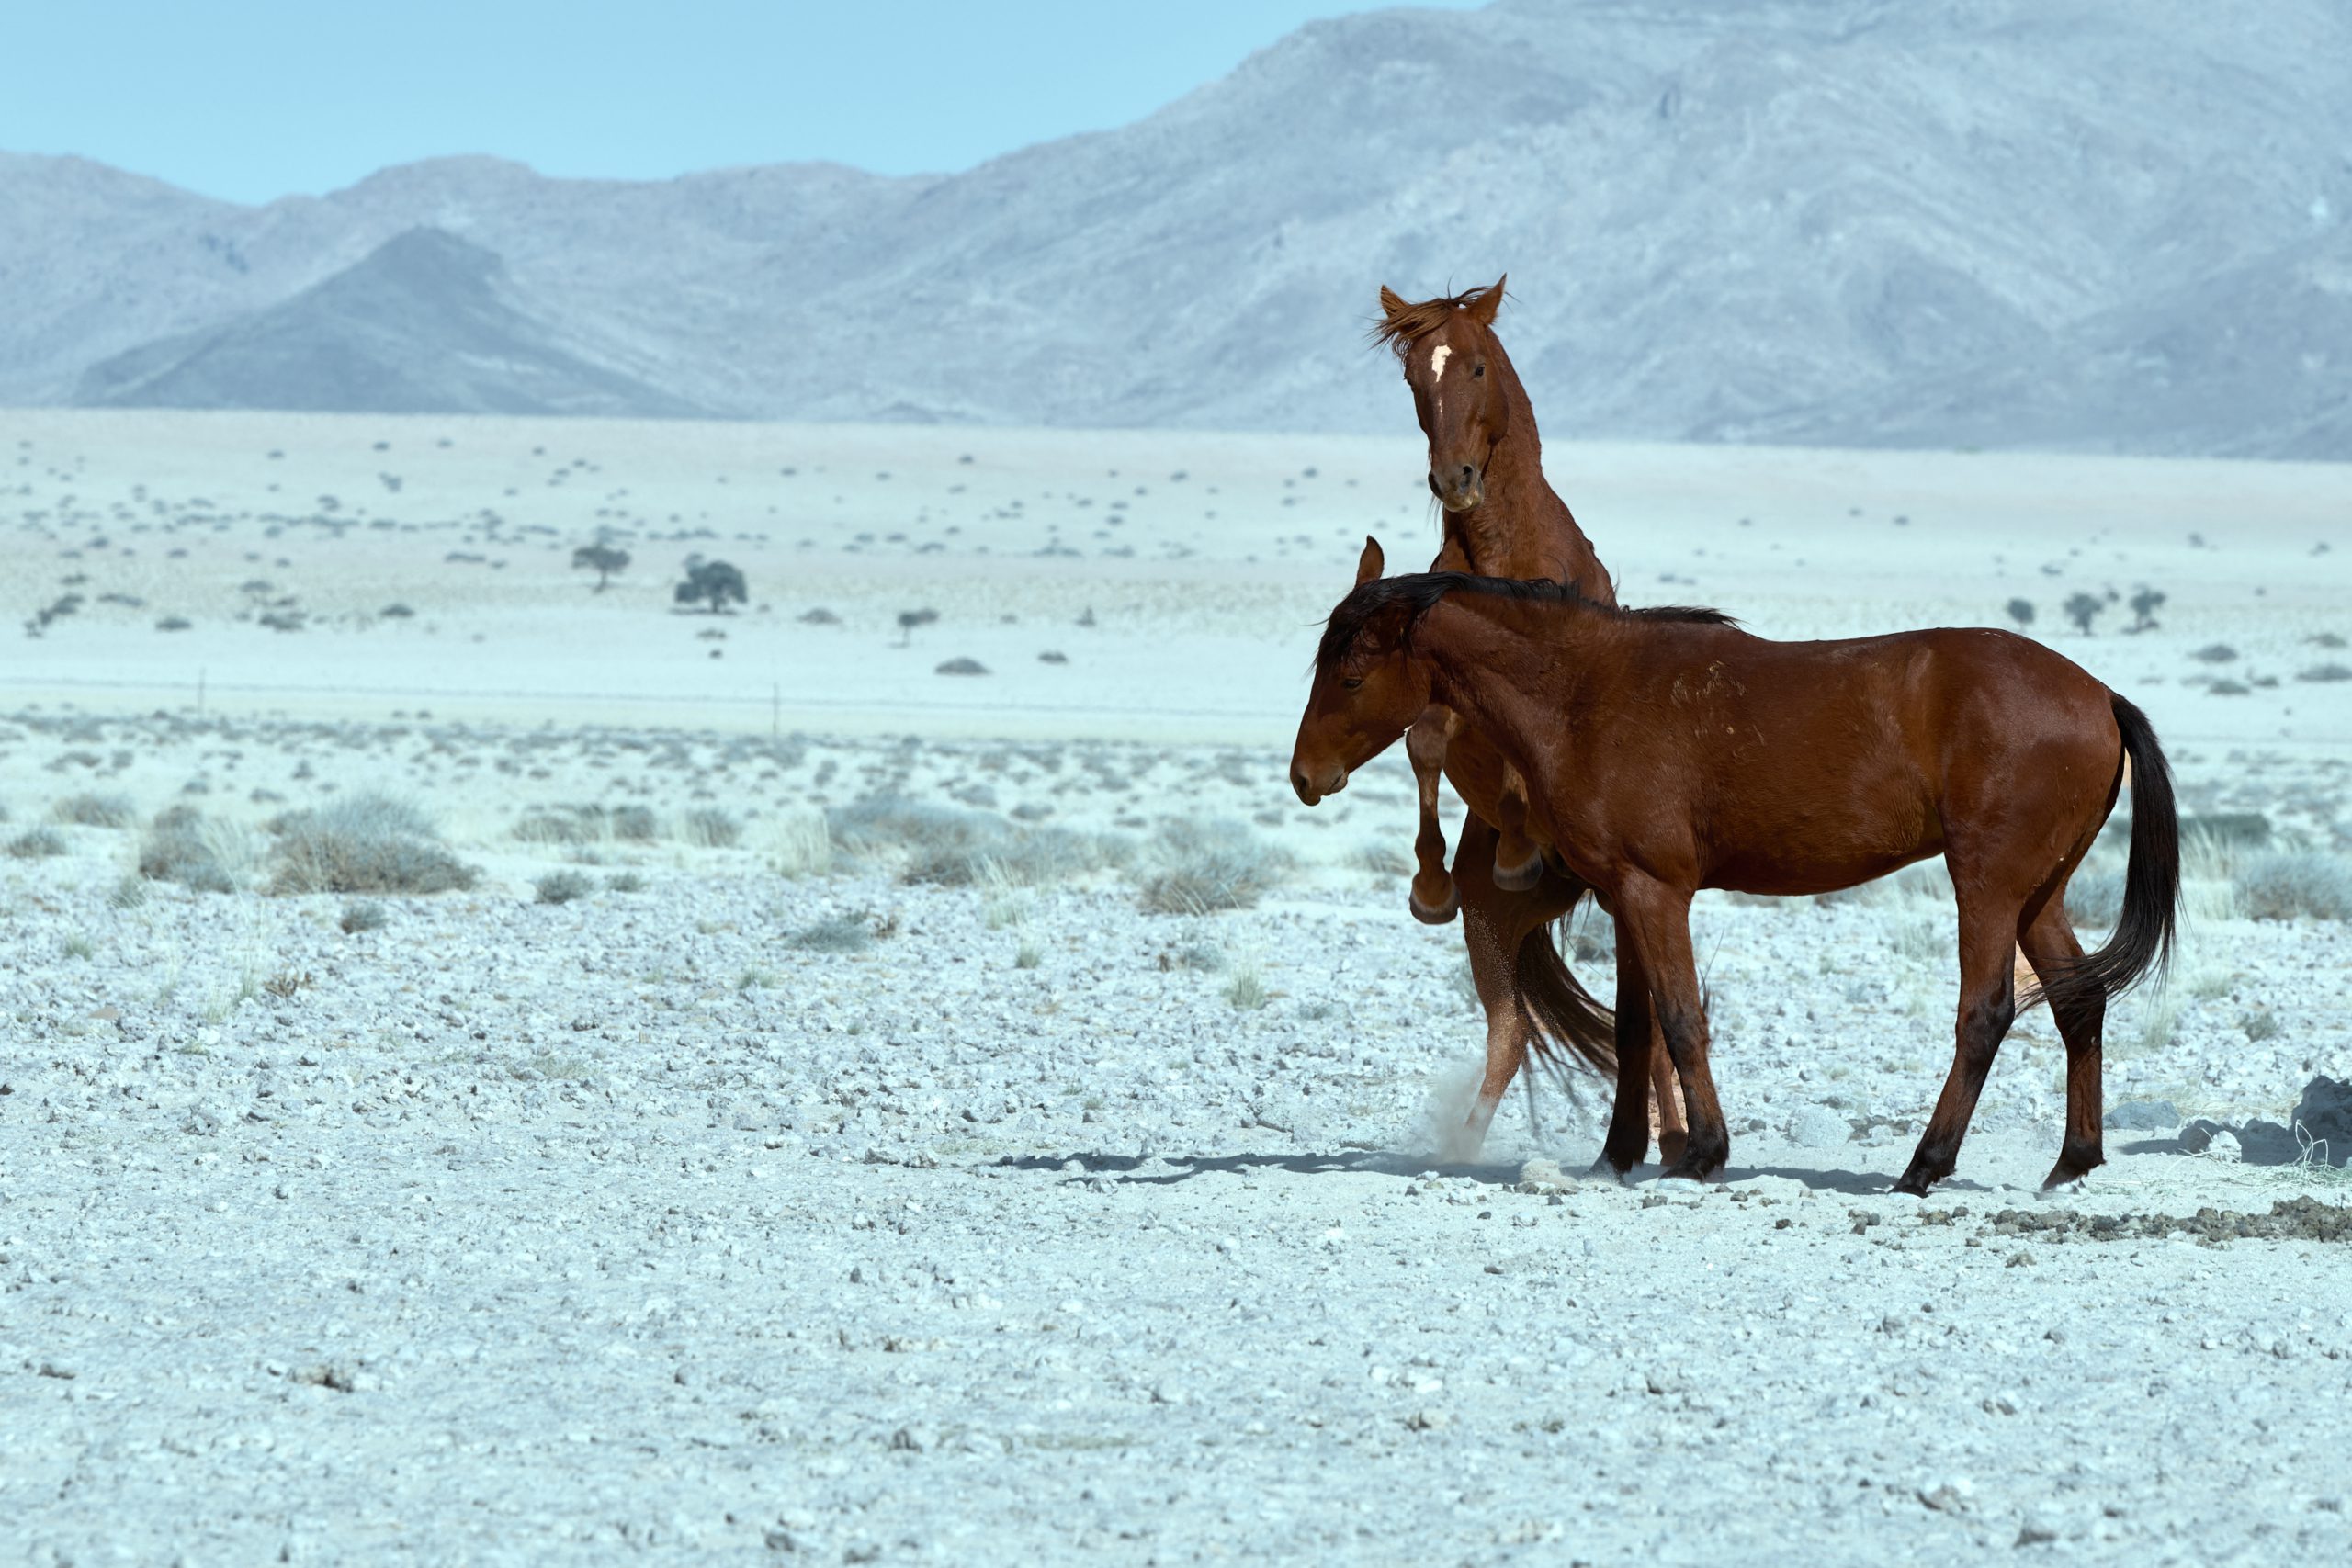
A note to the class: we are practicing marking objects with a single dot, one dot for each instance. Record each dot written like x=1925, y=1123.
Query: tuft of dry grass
x=2285, y=883
x=711, y=829
x=184, y=845
x=1197, y=867
x=92, y=811
x=367, y=843
x=37, y=844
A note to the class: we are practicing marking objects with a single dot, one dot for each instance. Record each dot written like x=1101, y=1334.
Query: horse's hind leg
x=2049, y=946
x=1987, y=1005
x=1494, y=970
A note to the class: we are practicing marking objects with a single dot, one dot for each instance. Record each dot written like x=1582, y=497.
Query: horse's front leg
x=1435, y=898
x=1653, y=929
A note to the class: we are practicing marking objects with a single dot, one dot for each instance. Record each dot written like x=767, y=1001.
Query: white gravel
x=533, y=1232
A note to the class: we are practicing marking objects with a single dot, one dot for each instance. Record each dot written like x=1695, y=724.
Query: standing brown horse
x=1666, y=751
x=1501, y=519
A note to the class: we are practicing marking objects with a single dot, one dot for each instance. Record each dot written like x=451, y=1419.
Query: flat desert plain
x=497, y=1070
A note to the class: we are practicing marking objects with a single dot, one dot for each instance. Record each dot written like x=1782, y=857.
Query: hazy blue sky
x=258, y=98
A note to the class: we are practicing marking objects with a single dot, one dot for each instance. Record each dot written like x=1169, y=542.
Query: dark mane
x=1419, y=592
x=1401, y=327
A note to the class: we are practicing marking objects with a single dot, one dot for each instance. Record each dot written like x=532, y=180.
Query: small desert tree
x=2144, y=605
x=909, y=619
x=601, y=559
x=712, y=582
x=2021, y=612
x=2082, y=609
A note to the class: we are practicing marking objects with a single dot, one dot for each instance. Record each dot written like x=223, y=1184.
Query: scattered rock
x=2144, y=1116
x=1544, y=1175
x=1818, y=1127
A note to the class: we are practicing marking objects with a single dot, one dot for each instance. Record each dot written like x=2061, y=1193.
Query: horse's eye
x=1479, y=371
x=1352, y=681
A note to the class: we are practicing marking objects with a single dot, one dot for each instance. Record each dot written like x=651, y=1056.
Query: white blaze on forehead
x=1436, y=363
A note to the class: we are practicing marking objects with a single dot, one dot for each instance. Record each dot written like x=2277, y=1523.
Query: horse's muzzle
x=1310, y=790
x=1458, y=488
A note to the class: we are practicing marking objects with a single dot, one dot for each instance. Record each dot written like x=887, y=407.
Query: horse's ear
x=1392, y=304
x=1372, y=563
x=1489, y=301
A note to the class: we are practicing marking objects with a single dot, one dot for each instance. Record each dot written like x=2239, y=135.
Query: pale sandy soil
x=1043, y=1227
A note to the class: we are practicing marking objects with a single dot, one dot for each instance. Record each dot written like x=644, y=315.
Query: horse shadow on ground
x=1166, y=1170
x=2319, y=1131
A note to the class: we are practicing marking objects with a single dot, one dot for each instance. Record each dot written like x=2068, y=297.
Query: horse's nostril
x=1468, y=473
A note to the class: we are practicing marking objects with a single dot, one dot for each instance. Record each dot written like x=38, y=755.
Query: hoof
x=1519, y=878
x=1672, y=1145
x=1690, y=1168
x=1917, y=1180
x=2066, y=1173
x=1439, y=913
x=2077, y=1159
x=1604, y=1170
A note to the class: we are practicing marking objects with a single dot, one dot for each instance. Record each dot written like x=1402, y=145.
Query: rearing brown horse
x=1501, y=519
x=1666, y=751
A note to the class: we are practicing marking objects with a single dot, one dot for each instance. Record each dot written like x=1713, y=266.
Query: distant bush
x=711, y=584
x=367, y=843
x=173, y=624
x=1197, y=867
x=625, y=882
x=88, y=810
x=185, y=846
x=711, y=827
x=563, y=886
x=944, y=845
x=37, y=844
x=839, y=934
x=2215, y=653
x=365, y=916
x=396, y=612
x=962, y=667
x=2288, y=882
x=587, y=825
x=2328, y=671
x=601, y=559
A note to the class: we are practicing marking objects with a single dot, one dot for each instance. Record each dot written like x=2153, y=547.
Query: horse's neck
x=1521, y=527
x=1492, y=663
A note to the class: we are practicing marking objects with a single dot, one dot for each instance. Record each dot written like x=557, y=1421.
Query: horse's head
x=1453, y=364
x=1366, y=691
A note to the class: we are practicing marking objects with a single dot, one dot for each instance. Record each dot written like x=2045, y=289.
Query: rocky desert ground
x=492, y=1070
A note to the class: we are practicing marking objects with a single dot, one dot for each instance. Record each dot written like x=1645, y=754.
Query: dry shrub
x=183, y=845
x=90, y=810
x=2288, y=882
x=368, y=844
x=1192, y=868
x=956, y=848
x=711, y=827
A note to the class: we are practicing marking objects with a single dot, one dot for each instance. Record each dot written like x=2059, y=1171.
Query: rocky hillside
x=2078, y=223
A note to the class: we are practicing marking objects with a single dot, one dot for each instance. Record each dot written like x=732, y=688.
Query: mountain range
x=2076, y=224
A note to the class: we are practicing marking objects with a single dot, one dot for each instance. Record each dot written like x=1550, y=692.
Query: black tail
x=2141, y=944
x=1567, y=1023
